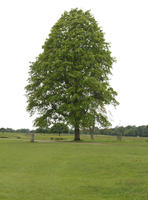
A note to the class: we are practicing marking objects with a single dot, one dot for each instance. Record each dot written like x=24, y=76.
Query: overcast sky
x=24, y=26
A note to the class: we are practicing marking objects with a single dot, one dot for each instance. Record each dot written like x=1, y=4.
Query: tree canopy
x=69, y=81
x=59, y=128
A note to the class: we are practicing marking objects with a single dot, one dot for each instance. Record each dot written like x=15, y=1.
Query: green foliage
x=140, y=131
x=69, y=81
x=10, y=130
x=41, y=130
x=59, y=128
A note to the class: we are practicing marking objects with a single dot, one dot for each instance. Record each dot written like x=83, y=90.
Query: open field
x=103, y=170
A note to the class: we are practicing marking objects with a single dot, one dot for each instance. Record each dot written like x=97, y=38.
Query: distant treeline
x=56, y=128
x=10, y=130
x=141, y=131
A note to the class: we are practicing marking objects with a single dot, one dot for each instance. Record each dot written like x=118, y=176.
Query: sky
x=24, y=27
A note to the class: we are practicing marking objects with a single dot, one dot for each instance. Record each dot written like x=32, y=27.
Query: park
x=73, y=154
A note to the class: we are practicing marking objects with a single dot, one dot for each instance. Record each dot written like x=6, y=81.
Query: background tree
x=69, y=81
x=59, y=128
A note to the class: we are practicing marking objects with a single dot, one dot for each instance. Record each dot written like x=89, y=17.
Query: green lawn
x=108, y=170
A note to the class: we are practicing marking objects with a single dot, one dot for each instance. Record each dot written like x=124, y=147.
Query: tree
x=32, y=137
x=69, y=81
x=119, y=133
x=59, y=128
x=91, y=132
x=2, y=130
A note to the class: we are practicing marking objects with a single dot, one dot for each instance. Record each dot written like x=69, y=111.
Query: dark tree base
x=77, y=134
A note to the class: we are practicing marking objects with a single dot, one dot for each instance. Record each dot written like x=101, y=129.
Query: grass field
x=103, y=170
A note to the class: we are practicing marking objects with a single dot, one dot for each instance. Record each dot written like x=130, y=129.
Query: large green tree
x=69, y=81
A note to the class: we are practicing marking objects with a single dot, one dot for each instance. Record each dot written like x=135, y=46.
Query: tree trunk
x=119, y=137
x=91, y=132
x=32, y=137
x=77, y=134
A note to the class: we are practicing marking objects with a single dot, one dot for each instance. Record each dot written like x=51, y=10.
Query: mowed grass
x=107, y=170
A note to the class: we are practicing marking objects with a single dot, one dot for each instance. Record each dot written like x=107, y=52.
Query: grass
x=103, y=170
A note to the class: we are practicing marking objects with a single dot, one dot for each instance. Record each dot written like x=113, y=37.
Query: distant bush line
x=140, y=131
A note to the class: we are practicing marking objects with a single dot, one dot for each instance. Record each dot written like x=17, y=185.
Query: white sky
x=24, y=26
